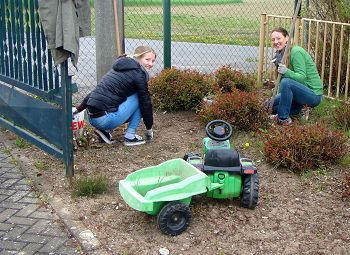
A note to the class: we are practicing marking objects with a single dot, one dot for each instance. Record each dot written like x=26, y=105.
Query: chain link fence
x=205, y=35
x=84, y=76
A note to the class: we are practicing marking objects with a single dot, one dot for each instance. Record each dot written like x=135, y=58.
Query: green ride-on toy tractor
x=167, y=189
x=225, y=165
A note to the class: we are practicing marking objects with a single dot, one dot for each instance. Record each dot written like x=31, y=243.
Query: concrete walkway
x=27, y=225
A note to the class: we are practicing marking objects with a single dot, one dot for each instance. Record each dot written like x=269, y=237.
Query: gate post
x=67, y=135
x=118, y=10
x=167, y=33
x=105, y=38
x=261, y=46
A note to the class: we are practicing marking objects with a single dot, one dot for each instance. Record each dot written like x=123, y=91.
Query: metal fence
x=85, y=73
x=205, y=35
x=35, y=95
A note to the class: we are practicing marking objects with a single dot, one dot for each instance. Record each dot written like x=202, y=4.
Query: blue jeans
x=292, y=98
x=128, y=111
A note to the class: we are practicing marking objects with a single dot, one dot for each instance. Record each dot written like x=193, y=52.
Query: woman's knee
x=285, y=83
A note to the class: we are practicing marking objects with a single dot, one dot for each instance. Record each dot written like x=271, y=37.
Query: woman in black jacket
x=122, y=96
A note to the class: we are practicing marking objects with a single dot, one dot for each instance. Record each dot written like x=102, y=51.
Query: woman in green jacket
x=300, y=84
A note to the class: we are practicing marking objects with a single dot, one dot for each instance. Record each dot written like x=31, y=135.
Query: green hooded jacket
x=303, y=69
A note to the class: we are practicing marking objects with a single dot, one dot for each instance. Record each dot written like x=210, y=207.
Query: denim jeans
x=128, y=111
x=292, y=98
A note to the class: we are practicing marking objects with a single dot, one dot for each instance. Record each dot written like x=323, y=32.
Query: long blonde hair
x=140, y=51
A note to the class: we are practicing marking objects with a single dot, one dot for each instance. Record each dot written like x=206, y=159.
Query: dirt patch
x=295, y=215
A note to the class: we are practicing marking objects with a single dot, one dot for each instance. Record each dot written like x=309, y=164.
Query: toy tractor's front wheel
x=250, y=190
x=174, y=218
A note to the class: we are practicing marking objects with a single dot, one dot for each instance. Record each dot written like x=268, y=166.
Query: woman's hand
x=282, y=69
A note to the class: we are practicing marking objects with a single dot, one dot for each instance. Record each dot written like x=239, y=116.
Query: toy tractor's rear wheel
x=174, y=218
x=190, y=155
x=250, y=191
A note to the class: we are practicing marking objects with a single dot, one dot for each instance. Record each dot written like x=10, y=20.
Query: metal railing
x=35, y=95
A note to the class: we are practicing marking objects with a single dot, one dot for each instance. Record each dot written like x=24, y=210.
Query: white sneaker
x=273, y=117
x=137, y=140
x=104, y=136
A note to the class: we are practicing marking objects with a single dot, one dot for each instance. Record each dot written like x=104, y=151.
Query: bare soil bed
x=296, y=214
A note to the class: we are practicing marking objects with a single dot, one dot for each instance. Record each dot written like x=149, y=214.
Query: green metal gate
x=35, y=95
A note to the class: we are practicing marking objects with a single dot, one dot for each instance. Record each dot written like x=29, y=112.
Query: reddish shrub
x=242, y=109
x=228, y=78
x=177, y=90
x=303, y=147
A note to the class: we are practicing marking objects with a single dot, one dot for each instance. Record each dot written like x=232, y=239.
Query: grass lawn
x=178, y=2
x=174, y=2
x=232, y=22
x=187, y=28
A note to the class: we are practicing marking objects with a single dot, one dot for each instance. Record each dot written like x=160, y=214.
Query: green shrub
x=303, y=147
x=90, y=186
x=228, y=78
x=241, y=109
x=341, y=116
x=177, y=90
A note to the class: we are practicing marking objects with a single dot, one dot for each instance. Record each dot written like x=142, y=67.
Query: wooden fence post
x=261, y=46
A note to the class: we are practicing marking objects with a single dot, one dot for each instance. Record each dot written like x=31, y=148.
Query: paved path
x=26, y=225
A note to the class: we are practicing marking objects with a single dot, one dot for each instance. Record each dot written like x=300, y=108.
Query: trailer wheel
x=190, y=155
x=250, y=191
x=174, y=218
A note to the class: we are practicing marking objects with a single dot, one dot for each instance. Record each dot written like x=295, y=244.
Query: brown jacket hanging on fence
x=60, y=22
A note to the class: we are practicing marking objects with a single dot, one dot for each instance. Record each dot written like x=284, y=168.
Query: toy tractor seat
x=222, y=160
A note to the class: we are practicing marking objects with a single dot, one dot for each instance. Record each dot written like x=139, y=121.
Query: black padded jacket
x=126, y=78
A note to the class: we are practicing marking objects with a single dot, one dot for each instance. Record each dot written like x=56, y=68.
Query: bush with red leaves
x=227, y=79
x=180, y=90
x=241, y=109
x=304, y=147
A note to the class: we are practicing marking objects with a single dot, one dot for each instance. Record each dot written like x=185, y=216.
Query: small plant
x=309, y=173
x=45, y=198
x=90, y=186
x=22, y=143
x=14, y=161
x=241, y=109
x=41, y=165
x=228, y=79
x=7, y=150
x=304, y=147
x=178, y=90
x=345, y=160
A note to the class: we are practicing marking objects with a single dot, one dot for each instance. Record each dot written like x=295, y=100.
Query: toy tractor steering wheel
x=218, y=130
